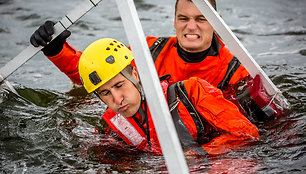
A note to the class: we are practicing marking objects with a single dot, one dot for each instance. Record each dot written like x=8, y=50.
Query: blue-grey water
x=55, y=131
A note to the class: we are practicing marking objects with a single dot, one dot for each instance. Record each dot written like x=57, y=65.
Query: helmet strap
x=135, y=83
x=96, y=94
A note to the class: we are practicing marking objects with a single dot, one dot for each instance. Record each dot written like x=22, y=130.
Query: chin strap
x=144, y=115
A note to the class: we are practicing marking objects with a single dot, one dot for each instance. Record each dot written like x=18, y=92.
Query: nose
x=191, y=25
x=117, y=97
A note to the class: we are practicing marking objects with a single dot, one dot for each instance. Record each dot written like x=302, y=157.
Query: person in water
x=196, y=50
x=215, y=124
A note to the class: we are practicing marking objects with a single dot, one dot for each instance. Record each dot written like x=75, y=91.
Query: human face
x=193, y=31
x=120, y=95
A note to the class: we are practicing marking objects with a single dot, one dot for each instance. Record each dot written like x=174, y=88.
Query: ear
x=135, y=74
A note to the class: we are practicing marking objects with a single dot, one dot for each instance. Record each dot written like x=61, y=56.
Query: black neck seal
x=199, y=56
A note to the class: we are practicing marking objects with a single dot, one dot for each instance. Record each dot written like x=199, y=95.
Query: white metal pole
x=234, y=44
x=165, y=129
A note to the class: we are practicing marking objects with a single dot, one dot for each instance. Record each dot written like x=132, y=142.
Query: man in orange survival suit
x=105, y=70
x=196, y=51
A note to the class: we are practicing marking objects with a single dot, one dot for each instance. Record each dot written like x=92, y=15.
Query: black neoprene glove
x=42, y=36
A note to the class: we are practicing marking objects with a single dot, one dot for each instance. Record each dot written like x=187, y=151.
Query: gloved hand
x=42, y=36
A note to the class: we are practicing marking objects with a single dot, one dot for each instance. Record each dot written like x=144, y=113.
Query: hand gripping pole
x=25, y=55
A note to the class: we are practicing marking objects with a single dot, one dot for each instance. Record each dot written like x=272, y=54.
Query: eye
x=104, y=93
x=182, y=18
x=118, y=85
x=201, y=19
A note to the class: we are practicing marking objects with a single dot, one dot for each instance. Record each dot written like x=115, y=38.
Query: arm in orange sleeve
x=67, y=61
x=223, y=115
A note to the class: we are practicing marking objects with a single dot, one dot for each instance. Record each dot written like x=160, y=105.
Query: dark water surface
x=54, y=133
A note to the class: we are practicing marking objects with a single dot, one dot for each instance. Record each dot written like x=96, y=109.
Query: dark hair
x=212, y=2
x=129, y=69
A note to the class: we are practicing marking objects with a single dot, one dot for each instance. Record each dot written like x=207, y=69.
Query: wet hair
x=129, y=69
x=212, y=2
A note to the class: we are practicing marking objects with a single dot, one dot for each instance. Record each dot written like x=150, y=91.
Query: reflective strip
x=127, y=129
x=268, y=110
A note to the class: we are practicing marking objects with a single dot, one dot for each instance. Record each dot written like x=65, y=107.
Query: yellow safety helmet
x=101, y=61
